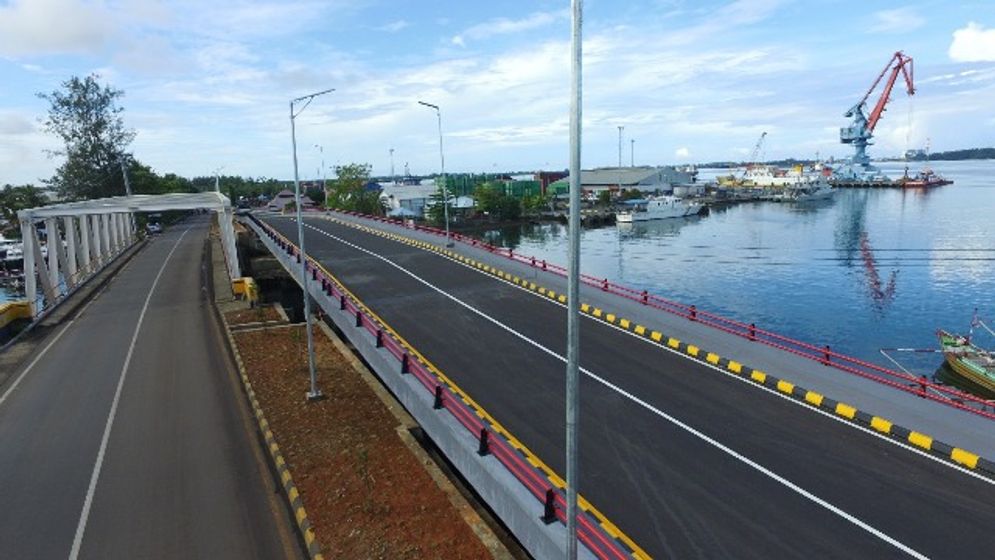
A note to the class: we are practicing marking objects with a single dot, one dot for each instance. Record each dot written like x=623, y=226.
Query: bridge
x=123, y=431
x=700, y=436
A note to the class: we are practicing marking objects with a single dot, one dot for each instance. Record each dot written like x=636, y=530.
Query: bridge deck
x=178, y=477
x=688, y=461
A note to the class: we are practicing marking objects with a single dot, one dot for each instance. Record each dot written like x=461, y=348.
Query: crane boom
x=860, y=132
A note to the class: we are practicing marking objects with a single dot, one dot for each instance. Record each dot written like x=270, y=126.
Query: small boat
x=924, y=179
x=657, y=208
x=973, y=365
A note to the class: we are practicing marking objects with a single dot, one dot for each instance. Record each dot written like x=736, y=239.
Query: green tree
x=349, y=190
x=436, y=208
x=605, y=197
x=86, y=116
x=14, y=198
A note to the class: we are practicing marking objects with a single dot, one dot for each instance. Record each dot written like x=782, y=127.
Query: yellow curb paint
x=758, y=376
x=516, y=279
x=640, y=329
x=293, y=495
x=542, y=291
x=673, y=342
x=785, y=387
x=846, y=410
x=922, y=440
x=814, y=398
x=735, y=367
x=965, y=458
x=301, y=515
x=596, y=312
x=610, y=317
x=585, y=307
x=656, y=335
x=563, y=298
x=551, y=294
x=624, y=323
x=285, y=477
x=309, y=537
x=881, y=425
x=712, y=358
x=692, y=350
x=532, y=286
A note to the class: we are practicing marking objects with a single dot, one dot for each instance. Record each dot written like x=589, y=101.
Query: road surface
x=126, y=437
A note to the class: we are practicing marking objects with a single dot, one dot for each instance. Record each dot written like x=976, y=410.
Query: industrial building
x=615, y=179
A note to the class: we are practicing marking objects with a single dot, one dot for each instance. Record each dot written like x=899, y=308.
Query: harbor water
x=866, y=270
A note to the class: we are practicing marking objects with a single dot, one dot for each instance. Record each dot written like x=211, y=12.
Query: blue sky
x=207, y=83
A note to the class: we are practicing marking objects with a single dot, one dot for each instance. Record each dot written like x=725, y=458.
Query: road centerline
x=676, y=422
x=95, y=476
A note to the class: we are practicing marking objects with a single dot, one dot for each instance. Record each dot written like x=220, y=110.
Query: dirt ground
x=255, y=315
x=366, y=494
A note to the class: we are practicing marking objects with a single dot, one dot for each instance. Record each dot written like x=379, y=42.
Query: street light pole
x=620, y=129
x=573, y=278
x=315, y=392
x=632, y=152
x=392, y=166
x=442, y=159
x=324, y=181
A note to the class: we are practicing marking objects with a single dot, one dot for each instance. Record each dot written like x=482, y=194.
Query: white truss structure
x=85, y=236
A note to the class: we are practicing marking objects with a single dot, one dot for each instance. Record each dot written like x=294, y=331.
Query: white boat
x=658, y=208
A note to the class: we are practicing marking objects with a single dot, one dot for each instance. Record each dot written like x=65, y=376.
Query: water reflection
x=655, y=229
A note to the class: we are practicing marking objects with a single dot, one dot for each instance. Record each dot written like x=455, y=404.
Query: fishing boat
x=657, y=208
x=972, y=364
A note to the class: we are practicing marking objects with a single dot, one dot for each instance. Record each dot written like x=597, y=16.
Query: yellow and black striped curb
x=286, y=480
x=817, y=400
x=554, y=479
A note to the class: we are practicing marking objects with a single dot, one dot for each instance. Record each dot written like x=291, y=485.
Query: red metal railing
x=920, y=386
x=588, y=531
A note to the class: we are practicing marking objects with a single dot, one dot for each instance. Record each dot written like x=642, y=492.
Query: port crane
x=860, y=132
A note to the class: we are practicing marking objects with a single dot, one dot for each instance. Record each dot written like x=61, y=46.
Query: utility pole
x=314, y=393
x=392, y=178
x=127, y=183
x=620, y=129
x=632, y=152
x=573, y=276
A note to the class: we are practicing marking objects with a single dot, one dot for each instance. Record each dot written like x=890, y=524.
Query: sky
x=207, y=84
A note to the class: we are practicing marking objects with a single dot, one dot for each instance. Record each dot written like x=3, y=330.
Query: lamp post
x=573, y=277
x=315, y=392
x=324, y=181
x=392, y=166
x=620, y=129
x=632, y=152
x=442, y=159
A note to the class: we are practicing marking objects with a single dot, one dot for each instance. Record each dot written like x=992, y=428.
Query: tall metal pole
x=392, y=165
x=442, y=159
x=315, y=392
x=632, y=152
x=620, y=129
x=573, y=283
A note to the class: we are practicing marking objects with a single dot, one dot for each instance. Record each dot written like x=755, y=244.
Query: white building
x=645, y=179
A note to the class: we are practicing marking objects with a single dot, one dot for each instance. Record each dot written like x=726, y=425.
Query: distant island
x=951, y=155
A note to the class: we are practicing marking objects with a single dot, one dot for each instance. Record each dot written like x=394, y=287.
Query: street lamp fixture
x=442, y=159
x=315, y=392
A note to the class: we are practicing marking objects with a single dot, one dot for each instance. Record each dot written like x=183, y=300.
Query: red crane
x=862, y=130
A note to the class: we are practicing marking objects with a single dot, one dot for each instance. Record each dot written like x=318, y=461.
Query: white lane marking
x=745, y=460
x=741, y=379
x=88, y=502
x=56, y=339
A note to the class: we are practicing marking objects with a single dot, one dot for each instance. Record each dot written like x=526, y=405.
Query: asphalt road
x=126, y=438
x=688, y=461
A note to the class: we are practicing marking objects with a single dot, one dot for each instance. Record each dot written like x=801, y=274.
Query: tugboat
x=924, y=179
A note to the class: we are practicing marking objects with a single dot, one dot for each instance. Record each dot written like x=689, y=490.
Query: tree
x=14, y=198
x=349, y=191
x=605, y=197
x=85, y=115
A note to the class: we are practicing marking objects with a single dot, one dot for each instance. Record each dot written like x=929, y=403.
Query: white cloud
x=13, y=124
x=900, y=20
x=505, y=26
x=394, y=26
x=973, y=43
x=682, y=153
x=35, y=27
